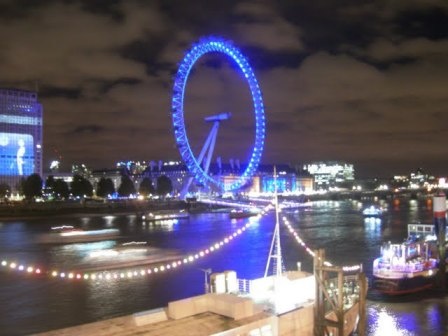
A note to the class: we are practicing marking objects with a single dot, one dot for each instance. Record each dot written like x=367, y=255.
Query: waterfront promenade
x=90, y=207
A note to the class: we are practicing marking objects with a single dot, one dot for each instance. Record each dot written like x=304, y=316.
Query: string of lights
x=352, y=268
x=158, y=268
x=130, y=273
x=114, y=274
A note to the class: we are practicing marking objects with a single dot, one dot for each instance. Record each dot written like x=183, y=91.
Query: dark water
x=32, y=303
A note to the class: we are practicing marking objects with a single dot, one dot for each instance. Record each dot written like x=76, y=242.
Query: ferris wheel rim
x=204, y=46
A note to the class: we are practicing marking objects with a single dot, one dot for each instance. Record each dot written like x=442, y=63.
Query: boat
x=373, y=211
x=242, y=213
x=125, y=250
x=405, y=268
x=68, y=234
x=294, y=206
x=160, y=215
x=127, y=255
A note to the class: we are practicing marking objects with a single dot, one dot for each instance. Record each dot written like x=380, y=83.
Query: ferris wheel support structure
x=209, y=147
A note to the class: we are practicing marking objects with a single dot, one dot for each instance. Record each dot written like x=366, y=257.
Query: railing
x=244, y=286
x=424, y=229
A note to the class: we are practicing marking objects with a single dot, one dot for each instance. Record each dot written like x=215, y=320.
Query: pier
x=228, y=314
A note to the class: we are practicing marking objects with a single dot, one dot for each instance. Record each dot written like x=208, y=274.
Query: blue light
x=205, y=46
x=16, y=154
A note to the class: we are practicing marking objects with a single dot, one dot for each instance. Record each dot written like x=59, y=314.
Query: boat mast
x=275, y=252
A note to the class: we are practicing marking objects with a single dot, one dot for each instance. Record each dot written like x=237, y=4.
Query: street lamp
x=206, y=271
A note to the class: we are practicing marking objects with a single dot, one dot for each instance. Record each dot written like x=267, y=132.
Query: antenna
x=275, y=253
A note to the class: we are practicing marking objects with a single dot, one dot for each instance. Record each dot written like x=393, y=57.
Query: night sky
x=359, y=81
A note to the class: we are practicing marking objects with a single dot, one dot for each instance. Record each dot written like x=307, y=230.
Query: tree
x=33, y=186
x=21, y=186
x=49, y=186
x=60, y=189
x=81, y=186
x=146, y=187
x=126, y=187
x=164, y=185
x=105, y=187
x=5, y=190
x=49, y=183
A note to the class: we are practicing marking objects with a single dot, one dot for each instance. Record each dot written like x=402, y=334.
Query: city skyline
x=357, y=82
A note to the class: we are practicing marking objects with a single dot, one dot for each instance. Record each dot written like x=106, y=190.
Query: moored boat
x=241, y=213
x=409, y=267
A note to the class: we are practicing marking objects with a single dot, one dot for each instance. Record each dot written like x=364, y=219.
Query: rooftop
x=201, y=324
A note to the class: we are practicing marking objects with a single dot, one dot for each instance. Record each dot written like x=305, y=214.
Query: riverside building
x=329, y=174
x=20, y=136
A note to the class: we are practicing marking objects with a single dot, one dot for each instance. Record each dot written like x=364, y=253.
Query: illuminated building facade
x=288, y=180
x=331, y=173
x=20, y=136
x=285, y=181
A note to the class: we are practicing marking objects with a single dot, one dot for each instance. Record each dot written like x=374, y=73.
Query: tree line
x=80, y=187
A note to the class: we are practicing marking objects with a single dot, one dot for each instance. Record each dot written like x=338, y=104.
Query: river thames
x=33, y=303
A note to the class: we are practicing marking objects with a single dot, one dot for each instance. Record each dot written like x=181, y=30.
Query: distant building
x=285, y=181
x=263, y=180
x=421, y=179
x=113, y=174
x=330, y=173
x=134, y=167
x=20, y=136
x=81, y=170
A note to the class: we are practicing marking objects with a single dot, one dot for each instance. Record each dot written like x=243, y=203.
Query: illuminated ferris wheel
x=199, y=166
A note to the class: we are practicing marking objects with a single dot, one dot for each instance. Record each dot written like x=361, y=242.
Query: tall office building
x=20, y=136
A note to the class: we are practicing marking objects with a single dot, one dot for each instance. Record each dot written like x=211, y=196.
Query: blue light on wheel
x=205, y=46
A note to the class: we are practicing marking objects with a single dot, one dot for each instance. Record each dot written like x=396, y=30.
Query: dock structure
x=340, y=299
x=261, y=311
x=439, y=211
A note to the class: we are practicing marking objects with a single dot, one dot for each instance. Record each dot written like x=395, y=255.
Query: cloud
x=340, y=107
x=262, y=27
x=63, y=45
x=340, y=80
x=419, y=48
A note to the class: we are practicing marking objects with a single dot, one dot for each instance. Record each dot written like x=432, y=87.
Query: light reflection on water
x=336, y=226
x=385, y=323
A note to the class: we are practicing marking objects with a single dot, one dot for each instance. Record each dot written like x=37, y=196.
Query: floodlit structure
x=196, y=166
x=329, y=174
x=20, y=136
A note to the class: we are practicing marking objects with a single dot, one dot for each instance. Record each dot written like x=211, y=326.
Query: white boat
x=161, y=215
x=408, y=267
x=373, y=211
x=68, y=234
x=125, y=250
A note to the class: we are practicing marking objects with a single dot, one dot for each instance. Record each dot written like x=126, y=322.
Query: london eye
x=198, y=166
